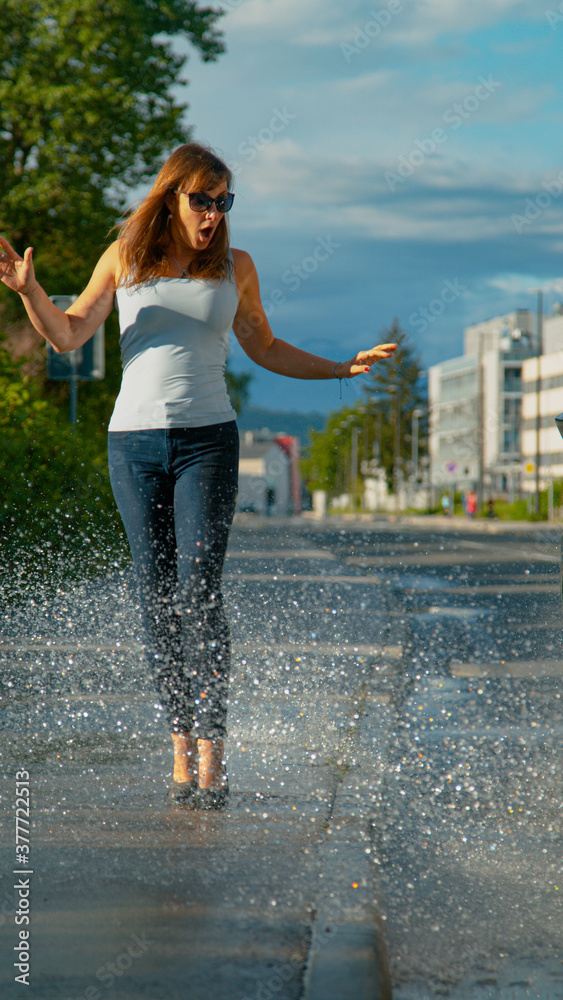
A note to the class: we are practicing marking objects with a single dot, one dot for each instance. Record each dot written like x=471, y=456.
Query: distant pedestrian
x=471, y=504
x=173, y=439
x=445, y=501
x=270, y=499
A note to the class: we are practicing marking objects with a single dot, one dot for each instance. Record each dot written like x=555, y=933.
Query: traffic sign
x=86, y=362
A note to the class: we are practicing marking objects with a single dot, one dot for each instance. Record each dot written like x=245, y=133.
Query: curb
x=348, y=957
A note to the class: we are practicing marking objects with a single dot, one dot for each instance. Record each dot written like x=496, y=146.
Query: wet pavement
x=395, y=766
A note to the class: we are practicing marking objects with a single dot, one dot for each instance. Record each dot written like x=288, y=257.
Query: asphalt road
x=469, y=837
x=396, y=703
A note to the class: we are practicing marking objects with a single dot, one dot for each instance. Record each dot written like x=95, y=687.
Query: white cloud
x=330, y=22
x=431, y=19
x=289, y=188
x=518, y=284
x=271, y=17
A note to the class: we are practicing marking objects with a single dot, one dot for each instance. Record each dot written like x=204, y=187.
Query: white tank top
x=174, y=344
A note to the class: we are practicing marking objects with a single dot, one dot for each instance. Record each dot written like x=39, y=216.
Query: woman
x=173, y=441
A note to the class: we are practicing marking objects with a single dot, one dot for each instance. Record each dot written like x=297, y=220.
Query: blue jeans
x=176, y=492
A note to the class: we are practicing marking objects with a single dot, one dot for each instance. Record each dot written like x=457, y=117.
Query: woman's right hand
x=17, y=272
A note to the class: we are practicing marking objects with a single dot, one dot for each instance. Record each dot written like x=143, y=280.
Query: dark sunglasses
x=200, y=202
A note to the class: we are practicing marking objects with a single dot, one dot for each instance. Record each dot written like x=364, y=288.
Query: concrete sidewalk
x=132, y=897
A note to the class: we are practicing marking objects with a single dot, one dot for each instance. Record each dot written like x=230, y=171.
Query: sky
x=397, y=160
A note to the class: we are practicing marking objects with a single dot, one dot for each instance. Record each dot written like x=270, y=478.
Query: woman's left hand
x=363, y=361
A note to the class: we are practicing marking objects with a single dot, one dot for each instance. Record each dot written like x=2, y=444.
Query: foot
x=185, y=749
x=212, y=769
x=183, y=792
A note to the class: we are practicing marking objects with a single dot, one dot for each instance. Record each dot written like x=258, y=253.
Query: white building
x=264, y=477
x=542, y=381
x=475, y=402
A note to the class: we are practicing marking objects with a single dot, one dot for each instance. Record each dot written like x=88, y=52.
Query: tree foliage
x=238, y=387
x=393, y=393
x=86, y=113
x=326, y=465
x=56, y=497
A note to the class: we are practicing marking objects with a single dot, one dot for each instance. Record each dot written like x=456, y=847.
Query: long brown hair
x=144, y=235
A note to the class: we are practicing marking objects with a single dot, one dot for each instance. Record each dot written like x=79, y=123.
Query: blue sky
x=391, y=161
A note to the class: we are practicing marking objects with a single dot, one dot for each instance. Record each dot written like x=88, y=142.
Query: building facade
x=475, y=407
x=542, y=380
x=269, y=479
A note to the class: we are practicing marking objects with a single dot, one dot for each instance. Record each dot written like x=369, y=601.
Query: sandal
x=182, y=791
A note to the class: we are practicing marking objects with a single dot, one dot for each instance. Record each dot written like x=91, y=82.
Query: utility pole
x=539, y=349
x=480, y=428
x=354, y=465
x=416, y=415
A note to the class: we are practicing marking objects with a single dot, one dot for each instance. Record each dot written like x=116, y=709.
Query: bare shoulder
x=241, y=258
x=97, y=297
x=244, y=267
x=108, y=269
x=109, y=262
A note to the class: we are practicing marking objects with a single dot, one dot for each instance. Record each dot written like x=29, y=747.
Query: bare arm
x=255, y=336
x=64, y=331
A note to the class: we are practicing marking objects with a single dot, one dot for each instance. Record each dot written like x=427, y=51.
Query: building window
x=513, y=379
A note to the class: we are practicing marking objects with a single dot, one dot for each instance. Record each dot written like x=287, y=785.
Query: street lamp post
x=480, y=427
x=354, y=464
x=539, y=348
x=539, y=352
x=417, y=413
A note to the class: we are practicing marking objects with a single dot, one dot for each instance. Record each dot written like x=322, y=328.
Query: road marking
x=303, y=578
x=455, y=557
x=525, y=553
x=332, y=648
x=241, y=648
x=281, y=554
x=70, y=647
x=512, y=668
x=494, y=588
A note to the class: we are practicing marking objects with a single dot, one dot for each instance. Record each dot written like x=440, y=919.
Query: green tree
x=375, y=431
x=238, y=387
x=56, y=499
x=393, y=393
x=86, y=113
x=327, y=463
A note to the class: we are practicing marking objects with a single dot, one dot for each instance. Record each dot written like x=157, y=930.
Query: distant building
x=475, y=406
x=269, y=480
x=542, y=381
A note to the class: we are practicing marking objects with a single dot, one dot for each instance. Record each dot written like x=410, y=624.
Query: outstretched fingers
x=16, y=272
x=7, y=251
x=377, y=353
x=365, y=359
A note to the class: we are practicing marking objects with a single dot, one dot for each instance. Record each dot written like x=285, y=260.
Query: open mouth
x=206, y=232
